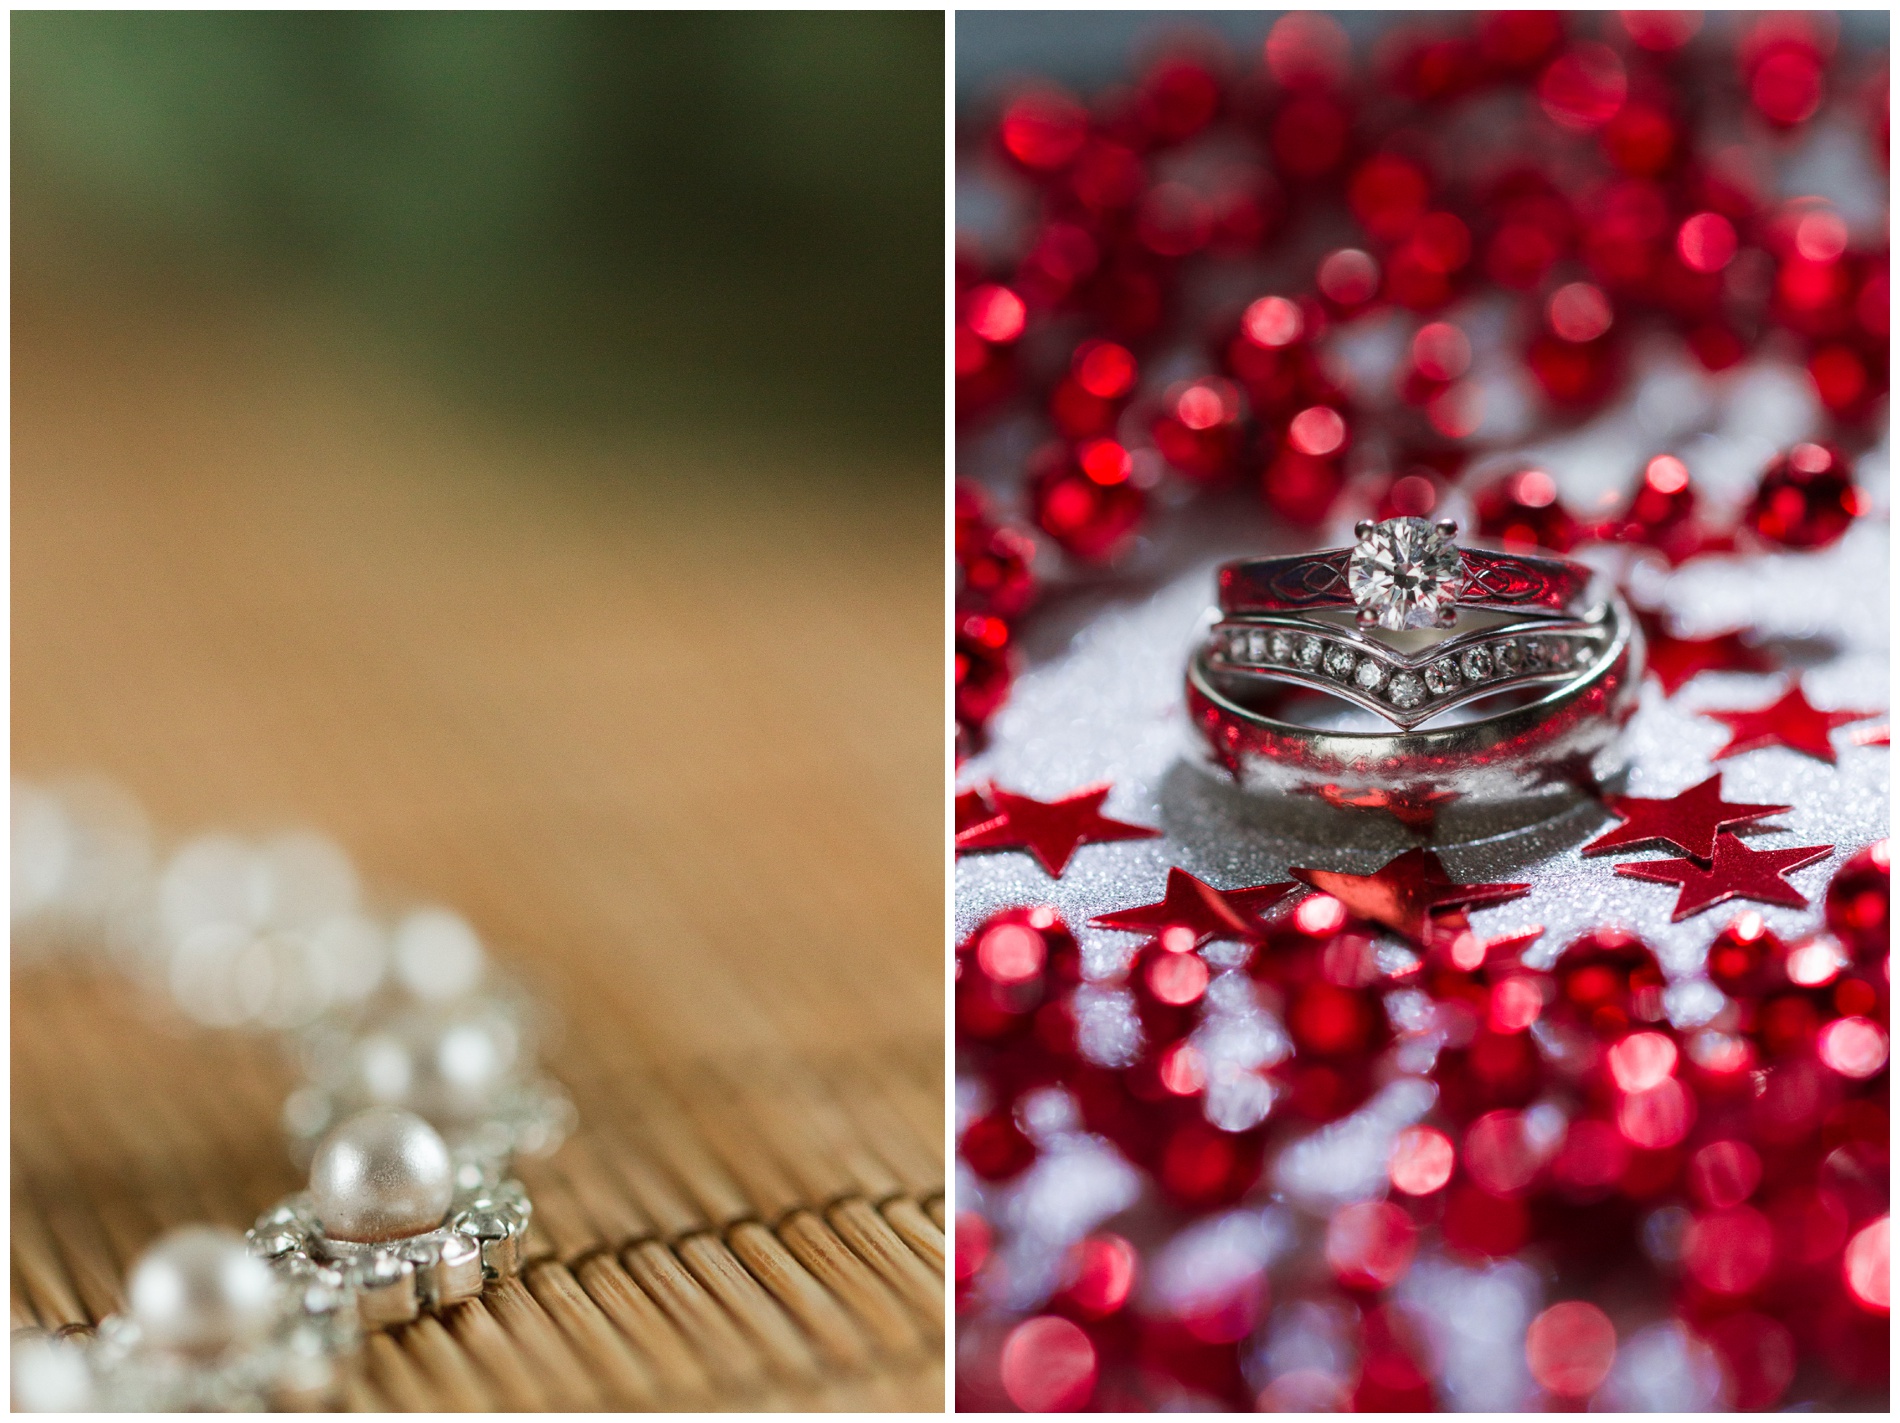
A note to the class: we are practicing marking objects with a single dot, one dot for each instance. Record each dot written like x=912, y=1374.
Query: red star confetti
x=973, y=809
x=1791, y=722
x=1676, y=660
x=1688, y=820
x=1737, y=872
x=1190, y=903
x=1881, y=735
x=1405, y=894
x=1051, y=830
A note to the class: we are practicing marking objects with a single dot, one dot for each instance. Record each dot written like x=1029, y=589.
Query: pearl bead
x=199, y=1289
x=381, y=1175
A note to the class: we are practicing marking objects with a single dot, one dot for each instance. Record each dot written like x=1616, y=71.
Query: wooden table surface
x=670, y=737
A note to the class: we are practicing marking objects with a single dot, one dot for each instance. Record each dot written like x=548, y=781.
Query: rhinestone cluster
x=1403, y=687
x=393, y=1282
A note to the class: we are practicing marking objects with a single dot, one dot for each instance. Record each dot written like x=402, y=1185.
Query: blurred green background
x=664, y=219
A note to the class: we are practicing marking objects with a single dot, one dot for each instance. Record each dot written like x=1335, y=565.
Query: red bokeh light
x=1706, y=242
x=1422, y=1159
x=1658, y=1117
x=1642, y=1061
x=1570, y=1348
x=1579, y=312
x=1866, y=1265
x=1044, y=129
x=1048, y=1365
x=1011, y=953
x=1853, y=1047
x=1729, y=1252
x=1583, y=87
x=1370, y=1245
x=1316, y=430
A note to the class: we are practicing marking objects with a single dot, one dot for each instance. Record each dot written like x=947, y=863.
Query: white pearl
x=200, y=1289
x=381, y=1175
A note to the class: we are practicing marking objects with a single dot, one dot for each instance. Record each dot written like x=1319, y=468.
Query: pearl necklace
x=420, y=1087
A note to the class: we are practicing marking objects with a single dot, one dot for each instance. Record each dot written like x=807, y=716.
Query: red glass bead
x=1308, y=50
x=1301, y=488
x=1860, y=900
x=1100, y=1276
x=1584, y=87
x=1176, y=99
x=1086, y=500
x=1806, y=498
x=1746, y=957
x=1522, y=510
x=1049, y=1365
x=1309, y=135
x=1107, y=177
x=993, y=564
x=1388, y=195
x=1662, y=512
x=1641, y=139
x=1570, y=1348
x=1348, y=278
x=995, y=1147
x=1198, y=430
x=1043, y=129
x=984, y=667
x=1609, y=980
x=1517, y=41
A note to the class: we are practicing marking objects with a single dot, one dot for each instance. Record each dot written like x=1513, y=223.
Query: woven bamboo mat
x=670, y=740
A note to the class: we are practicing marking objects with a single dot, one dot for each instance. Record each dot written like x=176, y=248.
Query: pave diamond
x=1508, y=656
x=1404, y=571
x=1280, y=647
x=1475, y=664
x=1308, y=651
x=1405, y=690
x=1339, y=661
x=1370, y=675
x=1441, y=676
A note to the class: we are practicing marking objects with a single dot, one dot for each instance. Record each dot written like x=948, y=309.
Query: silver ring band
x=1513, y=762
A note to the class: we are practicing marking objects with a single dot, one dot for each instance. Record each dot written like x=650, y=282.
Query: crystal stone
x=1405, y=690
x=1404, y=571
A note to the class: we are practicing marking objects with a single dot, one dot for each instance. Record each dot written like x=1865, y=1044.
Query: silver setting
x=1408, y=688
x=1406, y=573
x=394, y=1281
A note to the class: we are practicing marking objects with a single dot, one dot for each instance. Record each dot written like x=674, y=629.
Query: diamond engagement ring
x=1488, y=677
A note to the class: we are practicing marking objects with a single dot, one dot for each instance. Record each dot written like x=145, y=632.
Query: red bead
x=1522, y=510
x=1198, y=431
x=1859, y=902
x=1806, y=498
x=1584, y=87
x=1609, y=980
x=993, y=564
x=1176, y=99
x=1043, y=129
x=1388, y=195
x=1085, y=499
x=983, y=667
x=995, y=1147
x=1301, y=488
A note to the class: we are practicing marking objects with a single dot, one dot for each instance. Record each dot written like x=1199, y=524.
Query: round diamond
x=1509, y=656
x=1370, y=675
x=1404, y=572
x=1339, y=661
x=1475, y=664
x=1441, y=677
x=1308, y=651
x=1405, y=690
x=1280, y=647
